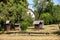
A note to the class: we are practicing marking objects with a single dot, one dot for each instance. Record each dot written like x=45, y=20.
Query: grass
x=28, y=37
x=52, y=29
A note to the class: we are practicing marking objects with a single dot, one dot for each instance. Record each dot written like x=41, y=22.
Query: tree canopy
x=13, y=10
x=47, y=6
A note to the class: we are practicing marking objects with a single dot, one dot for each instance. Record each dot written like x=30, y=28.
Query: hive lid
x=7, y=22
x=16, y=24
x=37, y=22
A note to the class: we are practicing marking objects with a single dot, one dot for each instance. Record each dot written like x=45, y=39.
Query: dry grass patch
x=28, y=37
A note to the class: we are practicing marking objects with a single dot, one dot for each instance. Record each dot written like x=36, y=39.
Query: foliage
x=48, y=19
x=15, y=11
x=29, y=20
x=0, y=28
x=24, y=26
x=56, y=13
x=12, y=10
x=45, y=8
x=40, y=7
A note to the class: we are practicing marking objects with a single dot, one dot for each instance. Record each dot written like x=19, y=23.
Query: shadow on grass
x=57, y=32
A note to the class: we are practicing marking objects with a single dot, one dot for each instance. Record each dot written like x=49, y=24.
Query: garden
x=15, y=24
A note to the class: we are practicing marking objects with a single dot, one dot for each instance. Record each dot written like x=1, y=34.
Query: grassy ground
x=47, y=28
x=28, y=37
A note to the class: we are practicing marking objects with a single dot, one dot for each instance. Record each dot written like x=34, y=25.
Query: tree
x=39, y=7
x=56, y=14
x=48, y=19
x=12, y=10
x=43, y=7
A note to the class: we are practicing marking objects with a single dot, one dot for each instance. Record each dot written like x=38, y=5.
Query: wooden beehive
x=8, y=26
x=17, y=27
x=38, y=24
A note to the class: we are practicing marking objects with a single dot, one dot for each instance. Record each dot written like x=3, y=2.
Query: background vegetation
x=15, y=11
x=47, y=11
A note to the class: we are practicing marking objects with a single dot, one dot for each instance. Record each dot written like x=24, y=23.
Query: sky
x=31, y=2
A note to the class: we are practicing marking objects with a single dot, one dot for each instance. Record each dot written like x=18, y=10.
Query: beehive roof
x=37, y=22
x=8, y=21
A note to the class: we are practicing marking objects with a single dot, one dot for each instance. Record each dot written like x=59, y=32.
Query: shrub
x=28, y=19
x=24, y=26
x=48, y=19
x=0, y=28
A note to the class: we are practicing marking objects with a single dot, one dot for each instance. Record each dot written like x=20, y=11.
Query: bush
x=24, y=26
x=0, y=28
x=48, y=19
x=29, y=20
